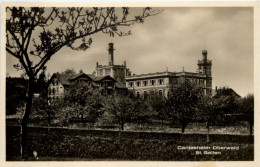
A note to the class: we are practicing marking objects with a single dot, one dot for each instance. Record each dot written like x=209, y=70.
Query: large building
x=159, y=81
x=120, y=77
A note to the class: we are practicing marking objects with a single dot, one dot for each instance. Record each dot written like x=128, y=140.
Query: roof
x=63, y=78
x=166, y=74
x=66, y=79
x=104, y=77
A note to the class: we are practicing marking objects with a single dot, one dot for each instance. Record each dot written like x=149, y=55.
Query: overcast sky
x=175, y=39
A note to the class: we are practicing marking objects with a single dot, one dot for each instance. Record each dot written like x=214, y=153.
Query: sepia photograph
x=137, y=83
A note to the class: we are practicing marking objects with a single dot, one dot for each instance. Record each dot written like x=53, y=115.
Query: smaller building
x=59, y=83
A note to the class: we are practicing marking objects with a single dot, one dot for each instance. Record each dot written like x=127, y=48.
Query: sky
x=174, y=39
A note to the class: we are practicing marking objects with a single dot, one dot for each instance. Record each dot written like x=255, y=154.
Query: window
x=53, y=83
x=160, y=93
x=138, y=83
x=160, y=81
x=53, y=91
x=57, y=82
x=131, y=84
x=152, y=82
x=144, y=83
x=145, y=94
x=101, y=72
x=137, y=94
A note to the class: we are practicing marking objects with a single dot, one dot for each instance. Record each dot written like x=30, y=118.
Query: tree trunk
x=122, y=126
x=23, y=146
x=251, y=128
x=182, y=128
x=208, y=131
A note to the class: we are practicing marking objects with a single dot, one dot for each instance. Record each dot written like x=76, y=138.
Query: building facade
x=118, y=72
x=60, y=83
x=159, y=82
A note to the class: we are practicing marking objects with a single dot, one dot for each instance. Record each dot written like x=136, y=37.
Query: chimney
x=204, y=55
x=216, y=89
x=97, y=64
x=125, y=63
x=111, y=54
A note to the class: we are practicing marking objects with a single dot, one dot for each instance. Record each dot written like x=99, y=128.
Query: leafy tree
x=34, y=35
x=41, y=108
x=41, y=84
x=121, y=105
x=182, y=101
x=69, y=71
x=81, y=71
x=208, y=110
x=158, y=104
x=247, y=108
x=228, y=100
x=85, y=99
x=142, y=110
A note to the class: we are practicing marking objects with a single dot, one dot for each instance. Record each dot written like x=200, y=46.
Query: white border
x=255, y=163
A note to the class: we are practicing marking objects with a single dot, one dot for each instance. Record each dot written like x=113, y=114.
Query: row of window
x=55, y=82
x=160, y=92
x=151, y=82
x=53, y=90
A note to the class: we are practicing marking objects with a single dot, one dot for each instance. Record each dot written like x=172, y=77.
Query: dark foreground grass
x=62, y=144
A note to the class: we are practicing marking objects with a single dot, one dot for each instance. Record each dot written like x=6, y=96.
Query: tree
x=70, y=71
x=121, y=106
x=208, y=110
x=142, y=110
x=34, y=35
x=247, y=108
x=228, y=100
x=41, y=84
x=41, y=108
x=182, y=101
x=86, y=99
x=158, y=103
x=81, y=71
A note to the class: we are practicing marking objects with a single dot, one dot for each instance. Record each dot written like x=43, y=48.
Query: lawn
x=70, y=144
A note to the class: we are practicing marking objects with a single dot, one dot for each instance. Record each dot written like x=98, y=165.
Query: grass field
x=63, y=144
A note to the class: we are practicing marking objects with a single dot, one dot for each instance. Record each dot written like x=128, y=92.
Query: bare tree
x=35, y=34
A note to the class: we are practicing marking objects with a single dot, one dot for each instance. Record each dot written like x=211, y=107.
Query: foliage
x=247, y=108
x=121, y=105
x=85, y=99
x=42, y=108
x=182, y=101
x=158, y=105
x=69, y=71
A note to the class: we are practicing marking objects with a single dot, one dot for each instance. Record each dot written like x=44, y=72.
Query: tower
x=118, y=72
x=111, y=54
x=204, y=67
